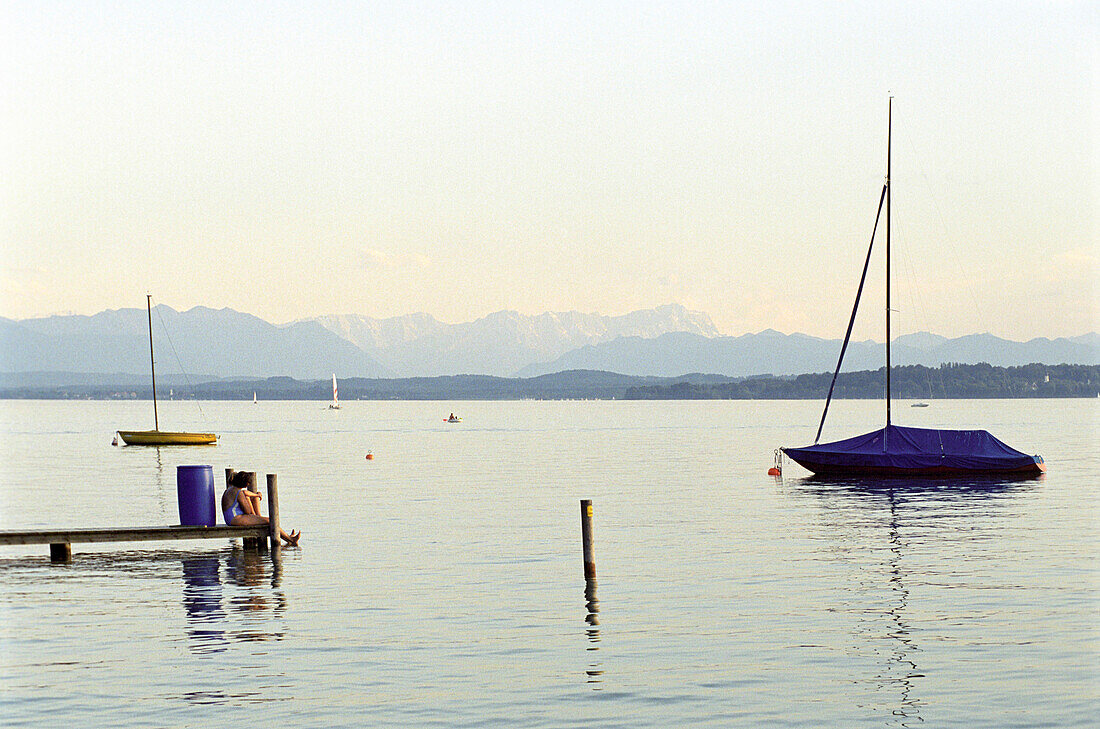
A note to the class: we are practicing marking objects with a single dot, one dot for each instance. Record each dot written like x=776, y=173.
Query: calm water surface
x=441, y=583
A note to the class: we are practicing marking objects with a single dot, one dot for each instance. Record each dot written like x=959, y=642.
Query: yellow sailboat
x=158, y=437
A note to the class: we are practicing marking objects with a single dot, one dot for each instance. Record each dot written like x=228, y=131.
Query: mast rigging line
x=190, y=385
x=855, y=309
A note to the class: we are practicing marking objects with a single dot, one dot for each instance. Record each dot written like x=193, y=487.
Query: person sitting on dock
x=241, y=507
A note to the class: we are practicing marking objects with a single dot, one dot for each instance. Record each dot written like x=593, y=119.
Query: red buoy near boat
x=777, y=469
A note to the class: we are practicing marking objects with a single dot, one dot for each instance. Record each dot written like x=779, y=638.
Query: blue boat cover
x=895, y=449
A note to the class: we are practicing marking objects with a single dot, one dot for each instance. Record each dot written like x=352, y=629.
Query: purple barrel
x=195, y=493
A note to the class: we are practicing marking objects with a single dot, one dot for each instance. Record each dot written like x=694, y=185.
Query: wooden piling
x=586, y=540
x=273, y=510
x=61, y=552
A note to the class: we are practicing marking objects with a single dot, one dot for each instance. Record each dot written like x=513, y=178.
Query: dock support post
x=61, y=552
x=259, y=544
x=586, y=540
x=273, y=510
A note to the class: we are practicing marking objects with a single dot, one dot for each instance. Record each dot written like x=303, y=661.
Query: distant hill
x=909, y=382
x=771, y=352
x=200, y=342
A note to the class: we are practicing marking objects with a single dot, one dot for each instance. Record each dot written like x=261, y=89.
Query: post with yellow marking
x=586, y=540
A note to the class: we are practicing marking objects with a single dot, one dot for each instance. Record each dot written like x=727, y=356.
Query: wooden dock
x=61, y=540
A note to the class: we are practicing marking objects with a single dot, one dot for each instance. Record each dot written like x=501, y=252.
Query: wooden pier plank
x=129, y=534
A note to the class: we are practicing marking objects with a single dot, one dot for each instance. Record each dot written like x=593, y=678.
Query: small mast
x=152, y=364
x=889, y=133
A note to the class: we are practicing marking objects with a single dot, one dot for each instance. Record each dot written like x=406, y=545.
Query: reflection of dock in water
x=202, y=603
x=234, y=604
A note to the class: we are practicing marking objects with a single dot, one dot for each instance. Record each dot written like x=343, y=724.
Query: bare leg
x=249, y=504
x=248, y=520
x=255, y=520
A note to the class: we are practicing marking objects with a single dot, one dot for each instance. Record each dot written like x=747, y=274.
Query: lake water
x=441, y=584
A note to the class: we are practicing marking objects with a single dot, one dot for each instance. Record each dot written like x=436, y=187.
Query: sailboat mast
x=152, y=365
x=889, y=133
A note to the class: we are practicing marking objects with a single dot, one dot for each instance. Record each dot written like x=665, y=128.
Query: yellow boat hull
x=165, y=438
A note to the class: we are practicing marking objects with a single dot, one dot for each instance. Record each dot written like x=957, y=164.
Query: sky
x=292, y=160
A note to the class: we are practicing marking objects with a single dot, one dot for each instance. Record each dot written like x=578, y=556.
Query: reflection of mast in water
x=856, y=506
x=890, y=643
x=167, y=510
x=898, y=660
x=592, y=604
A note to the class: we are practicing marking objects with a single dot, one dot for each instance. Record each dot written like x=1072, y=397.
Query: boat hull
x=902, y=451
x=166, y=438
x=840, y=470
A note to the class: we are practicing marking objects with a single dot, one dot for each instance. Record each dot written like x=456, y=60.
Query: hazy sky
x=458, y=158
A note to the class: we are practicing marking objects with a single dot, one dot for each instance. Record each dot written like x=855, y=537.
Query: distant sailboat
x=335, y=404
x=253, y=397
x=900, y=451
x=156, y=436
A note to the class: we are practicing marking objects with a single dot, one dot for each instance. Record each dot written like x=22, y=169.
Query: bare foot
x=292, y=538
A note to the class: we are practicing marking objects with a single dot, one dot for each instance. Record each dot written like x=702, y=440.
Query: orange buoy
x=777, y=469
x=370, y=456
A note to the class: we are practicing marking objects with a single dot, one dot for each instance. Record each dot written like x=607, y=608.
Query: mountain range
x=667, y=341
x=503, y=343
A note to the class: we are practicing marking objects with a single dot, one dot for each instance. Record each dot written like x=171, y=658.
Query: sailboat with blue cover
x=901, y=451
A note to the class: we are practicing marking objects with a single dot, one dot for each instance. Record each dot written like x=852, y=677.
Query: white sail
x=335, y=395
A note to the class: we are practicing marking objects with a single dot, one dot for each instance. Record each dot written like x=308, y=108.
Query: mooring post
x=228, y=479
x=259, y=543
x=273, y=510
x=586, y=540
x=61, y=552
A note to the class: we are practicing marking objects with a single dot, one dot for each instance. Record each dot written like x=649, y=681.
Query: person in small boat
x=241, y=507
x=452, y=417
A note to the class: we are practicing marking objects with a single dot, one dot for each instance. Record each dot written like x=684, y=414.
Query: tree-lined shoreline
x=911, y=382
